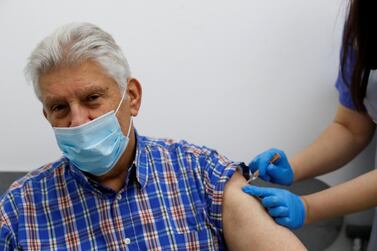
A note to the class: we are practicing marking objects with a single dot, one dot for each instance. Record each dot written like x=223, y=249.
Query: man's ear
x=134, y=93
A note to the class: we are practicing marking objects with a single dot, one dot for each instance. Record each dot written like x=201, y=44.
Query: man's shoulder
x=172, y=145
x=33, y=177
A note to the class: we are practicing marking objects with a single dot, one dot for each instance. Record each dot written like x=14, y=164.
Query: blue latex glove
x=279, y=172
x=286, y=208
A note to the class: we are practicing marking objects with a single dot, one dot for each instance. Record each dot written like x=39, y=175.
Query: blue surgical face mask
x=96, y=146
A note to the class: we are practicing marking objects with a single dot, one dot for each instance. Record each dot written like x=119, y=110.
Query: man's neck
x=116, y=178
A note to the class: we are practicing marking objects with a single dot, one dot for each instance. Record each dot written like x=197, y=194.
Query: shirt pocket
x=184, y=200
x=185, y=217
x=204, y=239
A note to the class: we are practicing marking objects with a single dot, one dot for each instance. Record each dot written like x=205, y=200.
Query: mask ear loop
x=131, y=120
x=129, y=128
x=121, y=101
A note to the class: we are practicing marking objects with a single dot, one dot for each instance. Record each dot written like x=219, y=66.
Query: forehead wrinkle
x=70, y=82
x=84, y=90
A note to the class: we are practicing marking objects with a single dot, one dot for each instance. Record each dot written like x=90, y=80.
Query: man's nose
x=79, y=116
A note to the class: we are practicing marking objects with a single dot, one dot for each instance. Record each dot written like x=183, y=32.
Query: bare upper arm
x=246, y=224
x=360, y=125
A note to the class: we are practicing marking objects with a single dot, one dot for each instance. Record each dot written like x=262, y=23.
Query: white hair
x=73, y=44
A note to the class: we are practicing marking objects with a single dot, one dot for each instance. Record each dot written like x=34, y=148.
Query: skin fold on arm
x=347, y=136
x=353, y=196
x=247, y=226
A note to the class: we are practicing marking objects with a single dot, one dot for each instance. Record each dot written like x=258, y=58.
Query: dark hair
x=360, y=42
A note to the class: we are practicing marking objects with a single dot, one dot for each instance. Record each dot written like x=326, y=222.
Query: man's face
x=74, y=95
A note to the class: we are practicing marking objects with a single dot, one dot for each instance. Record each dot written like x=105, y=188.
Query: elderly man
x=114, y=189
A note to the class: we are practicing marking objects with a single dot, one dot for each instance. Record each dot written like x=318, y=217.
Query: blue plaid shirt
x=171, y=200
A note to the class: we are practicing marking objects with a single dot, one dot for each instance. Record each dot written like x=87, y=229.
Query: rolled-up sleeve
x=217, y=172
x=343, y=81
x=8, y=211
x=7, y=240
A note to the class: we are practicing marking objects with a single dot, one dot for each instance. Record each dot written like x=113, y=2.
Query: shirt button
x=128, y=241
x=119, y=196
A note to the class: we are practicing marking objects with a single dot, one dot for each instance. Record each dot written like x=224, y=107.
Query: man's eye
x=93, y=97
x=58, y=108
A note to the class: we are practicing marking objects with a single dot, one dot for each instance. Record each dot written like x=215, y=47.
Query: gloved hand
x=279, y=172
x=286, y=208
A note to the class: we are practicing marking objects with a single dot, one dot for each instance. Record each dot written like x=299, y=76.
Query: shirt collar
x=140, y=165
x=88, y=183
x=141, y=162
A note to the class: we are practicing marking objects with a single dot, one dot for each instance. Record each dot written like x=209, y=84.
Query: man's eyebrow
x=81, y=92
x=92, y=89
x=50, y=99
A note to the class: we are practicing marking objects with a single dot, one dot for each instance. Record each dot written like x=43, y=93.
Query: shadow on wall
x=7, y=178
